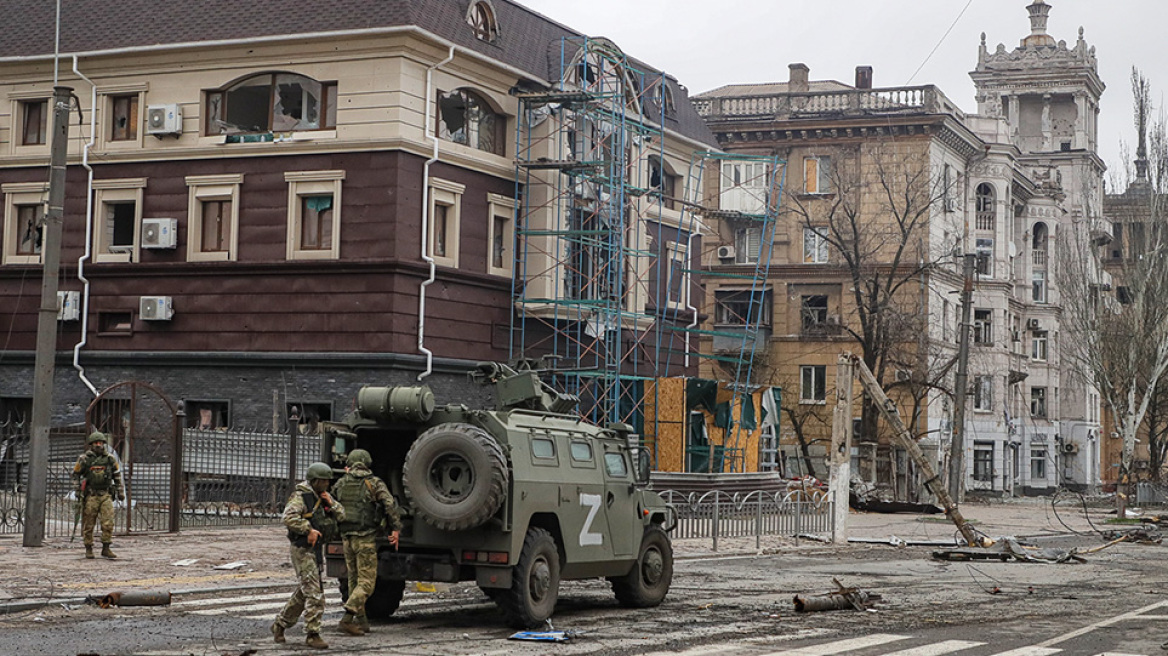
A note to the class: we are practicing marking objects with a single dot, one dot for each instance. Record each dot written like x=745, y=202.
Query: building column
x=1082, y=121
x=1046, y=127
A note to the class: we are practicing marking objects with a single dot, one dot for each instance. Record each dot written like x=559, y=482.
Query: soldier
x=311, y=516
x=370, y=505
x=98, y=476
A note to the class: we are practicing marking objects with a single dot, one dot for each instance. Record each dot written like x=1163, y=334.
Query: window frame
x=983, y=393
x=24, y=106
x=192, y=406
x=203, y=188
x=470, y=94
x=813, y=317
x=114, y=192
x=744, y=238
x=818, y=391
x=305, y=184
x=133, y=121
x=985, y=207
x=1038, y=462
x=17, y=195
x=815, y=246
x=983, y=330
x=983, y=462
x=1039, y=408
x=675, y=252
x=1039, y=293
x=722, y=312
x=822, y=176
x=326, y=105
x=501, y=207
x=1039, y=345
x=488, y=30
x=448, y=194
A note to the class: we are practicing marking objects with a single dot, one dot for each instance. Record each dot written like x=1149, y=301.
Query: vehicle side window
x=543, y=448
x=581, y=452
x=614, y=463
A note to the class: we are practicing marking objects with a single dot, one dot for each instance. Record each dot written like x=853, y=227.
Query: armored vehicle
x=515, y=499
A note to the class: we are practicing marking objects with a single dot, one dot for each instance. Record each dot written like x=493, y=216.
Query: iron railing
x=718, y=515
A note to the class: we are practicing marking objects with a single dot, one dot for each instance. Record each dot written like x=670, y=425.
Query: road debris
x=842, y=599
x=236, y=565
x=133, y=598
x=1142, y=535
x=901, y=542
x=1008, y=548
x=185, y=562
x=544, y=636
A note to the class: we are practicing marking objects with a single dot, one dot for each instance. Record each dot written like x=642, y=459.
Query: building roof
x=93, y=26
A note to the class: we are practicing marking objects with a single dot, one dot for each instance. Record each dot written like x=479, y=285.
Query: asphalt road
x=1113, y=604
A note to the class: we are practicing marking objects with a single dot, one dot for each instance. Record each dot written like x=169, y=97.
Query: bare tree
x=876, y=226
x=1115, y=309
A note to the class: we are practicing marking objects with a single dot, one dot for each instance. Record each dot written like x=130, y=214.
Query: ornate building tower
x=1043, y=97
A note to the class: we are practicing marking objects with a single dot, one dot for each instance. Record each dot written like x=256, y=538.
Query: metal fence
x=717, y=514
x=229, y=478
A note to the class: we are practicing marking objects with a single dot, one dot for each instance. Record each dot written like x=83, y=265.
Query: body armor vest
x=99, y=473
x=365, y=512
x=318, y=519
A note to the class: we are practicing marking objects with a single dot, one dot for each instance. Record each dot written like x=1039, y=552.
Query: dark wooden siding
x=365, y=302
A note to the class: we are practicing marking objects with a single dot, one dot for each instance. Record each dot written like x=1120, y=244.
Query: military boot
x=349, y=625
x=363, y=622
x=105, y=551
x=89, y=551
x=315, y=641
x=278, y=632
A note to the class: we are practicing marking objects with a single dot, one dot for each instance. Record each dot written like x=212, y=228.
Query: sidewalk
x=59, y=573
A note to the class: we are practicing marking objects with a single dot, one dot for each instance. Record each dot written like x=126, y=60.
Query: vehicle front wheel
x=648, y=582
x=535, y=582
x=386, y=597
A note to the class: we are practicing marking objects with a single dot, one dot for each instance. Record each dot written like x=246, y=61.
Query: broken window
x=465, y=118
x=36, y=121
x=208, y=415
x=308, y=415
x=662, y=182
x=1038, y=402
x=120, y=227
x=747, y=245
x=814, y=311
x=316, y=222
x=983, y=392
x=481, y=18
x=124, y=117
x=735, y=307
x=814, y=246
x=1037, y=463
x=817, y=175
x=31, y=231
x=983, y=327
x=272, y=102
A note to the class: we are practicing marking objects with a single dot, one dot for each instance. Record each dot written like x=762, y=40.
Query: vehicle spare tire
x=456, y=476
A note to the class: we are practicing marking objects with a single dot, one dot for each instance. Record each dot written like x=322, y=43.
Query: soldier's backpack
x=362, y=509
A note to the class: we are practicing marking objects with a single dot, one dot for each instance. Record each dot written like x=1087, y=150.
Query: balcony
x=850, y=102
x=1038, y=258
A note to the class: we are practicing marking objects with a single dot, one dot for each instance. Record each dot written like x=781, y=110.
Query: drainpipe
x=88, y=230
x=689, y=306
x=426, y=257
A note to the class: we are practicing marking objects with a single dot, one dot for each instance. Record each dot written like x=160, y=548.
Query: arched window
x=272, y=102
x=986, y=206
x=481, y=18
x=465, y=118
x=663, y=96
x=1038, y=246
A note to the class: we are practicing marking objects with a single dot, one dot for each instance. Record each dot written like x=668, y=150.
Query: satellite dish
x=1013, y=250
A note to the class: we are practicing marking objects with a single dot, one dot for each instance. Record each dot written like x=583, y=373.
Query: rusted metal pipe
x=135, y=598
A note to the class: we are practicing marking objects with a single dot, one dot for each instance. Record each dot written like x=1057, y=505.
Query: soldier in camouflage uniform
x=98, y=478
x=311, y=515
x=370, y=507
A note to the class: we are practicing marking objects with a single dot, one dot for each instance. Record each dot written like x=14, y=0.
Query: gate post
x=176, y=471
x=717, y=518
x=293, y=447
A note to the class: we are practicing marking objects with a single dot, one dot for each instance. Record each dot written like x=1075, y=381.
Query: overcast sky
x=709, y=43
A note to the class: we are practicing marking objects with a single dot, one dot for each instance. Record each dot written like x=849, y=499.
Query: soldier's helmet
x=319, y=470
x=360, y=456
x=96, y=436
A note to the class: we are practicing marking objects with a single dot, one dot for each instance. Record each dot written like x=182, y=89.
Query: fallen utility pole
x=46, y=340
x=904, y=438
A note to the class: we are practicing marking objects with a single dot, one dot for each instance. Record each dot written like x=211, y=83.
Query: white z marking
x=589, y=538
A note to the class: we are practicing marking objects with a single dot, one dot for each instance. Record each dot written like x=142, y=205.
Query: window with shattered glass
x=481, y=18
x=28, y=241
x=465, y=118
x=272, y=102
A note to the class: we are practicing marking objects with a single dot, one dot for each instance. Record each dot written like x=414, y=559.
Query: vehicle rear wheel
x=535, y=582
x=648, y=582
x=386, y=597
x=456, y=475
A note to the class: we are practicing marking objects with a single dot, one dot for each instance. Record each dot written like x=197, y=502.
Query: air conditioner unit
x=1033, y=324
x=726, y=253
x=1070, y=447
x=162, y=120
x=68, y=306
x=155, y=308
x=159, y=233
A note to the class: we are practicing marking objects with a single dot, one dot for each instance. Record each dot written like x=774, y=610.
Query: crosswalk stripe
x=235, y=608
x=841, y=646
x=1029, y=651
x=937, y=648
x=221, y=600
x=267, y=617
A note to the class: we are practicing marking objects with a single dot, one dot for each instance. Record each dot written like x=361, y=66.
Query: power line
x=943, y=37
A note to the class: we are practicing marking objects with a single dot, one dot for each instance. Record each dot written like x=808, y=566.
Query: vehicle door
x=620, y=498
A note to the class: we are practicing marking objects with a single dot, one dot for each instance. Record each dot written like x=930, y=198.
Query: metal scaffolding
x=606, y=235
